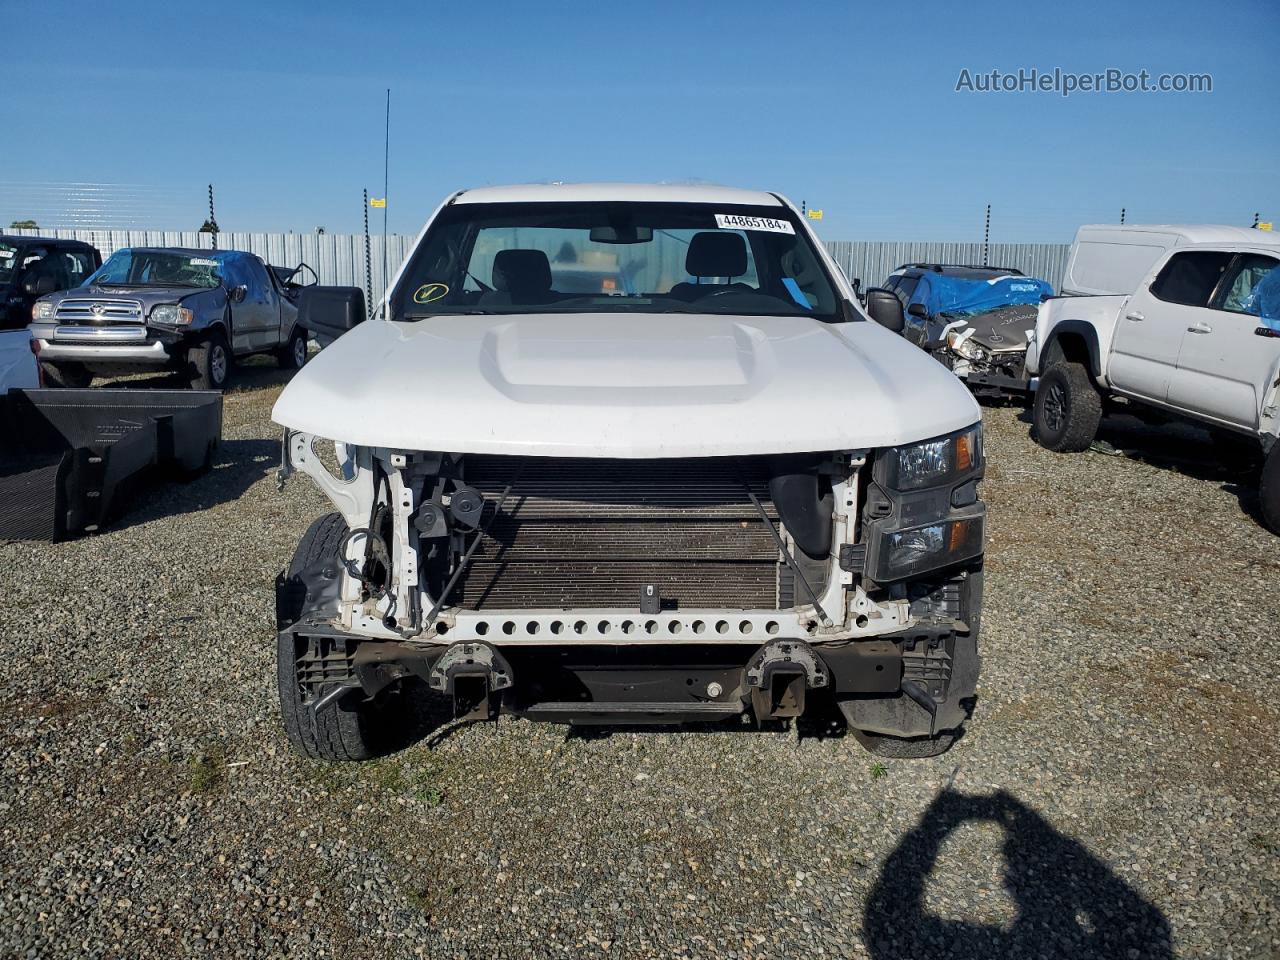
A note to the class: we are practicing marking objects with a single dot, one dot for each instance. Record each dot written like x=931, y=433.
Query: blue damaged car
x=973, y=320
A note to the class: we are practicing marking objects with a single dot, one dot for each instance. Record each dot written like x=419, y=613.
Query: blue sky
x=850, y=106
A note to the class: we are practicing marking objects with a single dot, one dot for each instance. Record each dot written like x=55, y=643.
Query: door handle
x=1135, y=315
x=1200, y=328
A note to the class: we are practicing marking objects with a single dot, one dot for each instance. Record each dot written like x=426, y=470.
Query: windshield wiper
x=461, y=311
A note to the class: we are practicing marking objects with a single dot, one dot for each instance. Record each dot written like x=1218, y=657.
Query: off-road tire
x=65, y=374
x=351, y=729
x=916, y=748
x=209, y=363
x=1269, y=489
x=288, y=356
x=1067, y=409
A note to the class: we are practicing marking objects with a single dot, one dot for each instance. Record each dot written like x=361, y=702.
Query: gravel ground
x=1115, y=795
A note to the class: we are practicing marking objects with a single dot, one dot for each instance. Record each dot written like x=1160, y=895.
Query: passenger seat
x=712, y=254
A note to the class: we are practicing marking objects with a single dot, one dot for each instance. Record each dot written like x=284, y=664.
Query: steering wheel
x=726, y=290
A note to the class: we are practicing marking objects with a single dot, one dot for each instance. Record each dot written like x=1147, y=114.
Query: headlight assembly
x=41, y=310
x=963, y=346
x=928, y=547
x=171, y=315
x=934, y=463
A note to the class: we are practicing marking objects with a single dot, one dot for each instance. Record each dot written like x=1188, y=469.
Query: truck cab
x=1198, y=336
x=31, y=267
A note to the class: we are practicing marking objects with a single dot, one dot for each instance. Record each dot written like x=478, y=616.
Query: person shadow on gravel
x=1069, y=903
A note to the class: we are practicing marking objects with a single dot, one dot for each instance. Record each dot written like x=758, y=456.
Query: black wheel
x=65, y=374
x=210, y=363
x=294, y=353
x=1067, y=409
x=351, y=729
x=1269, y=489
x=916, y=748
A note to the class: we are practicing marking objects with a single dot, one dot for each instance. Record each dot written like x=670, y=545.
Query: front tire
x=916, y=748
x=348, y=730
x=1269, y=489
x=210, y=363
x=1067, y=409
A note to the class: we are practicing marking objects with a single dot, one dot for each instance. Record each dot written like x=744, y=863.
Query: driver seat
x=712, y=253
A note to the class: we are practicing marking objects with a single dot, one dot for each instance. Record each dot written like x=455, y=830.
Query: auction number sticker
x=732, y=221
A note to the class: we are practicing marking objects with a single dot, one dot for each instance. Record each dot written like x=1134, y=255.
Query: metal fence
x=340, y=258
x=872, y=261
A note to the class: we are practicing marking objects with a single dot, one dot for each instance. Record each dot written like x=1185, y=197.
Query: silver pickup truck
x=195, y=311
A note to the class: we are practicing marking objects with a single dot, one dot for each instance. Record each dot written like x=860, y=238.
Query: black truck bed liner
x=69, y=459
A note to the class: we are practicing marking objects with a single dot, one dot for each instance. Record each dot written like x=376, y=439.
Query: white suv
x=1198, y=337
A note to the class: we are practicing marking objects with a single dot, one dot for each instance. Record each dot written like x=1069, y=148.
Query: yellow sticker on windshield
x=430, y=291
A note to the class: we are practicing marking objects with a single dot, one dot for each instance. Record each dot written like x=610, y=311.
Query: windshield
x=616, y=257
x=8, y=262
x=157, y=268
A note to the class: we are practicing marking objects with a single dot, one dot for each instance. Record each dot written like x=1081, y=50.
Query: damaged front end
x=988, y=351
x=593, y=590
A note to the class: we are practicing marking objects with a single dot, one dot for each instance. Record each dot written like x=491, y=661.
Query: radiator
x=593, y=533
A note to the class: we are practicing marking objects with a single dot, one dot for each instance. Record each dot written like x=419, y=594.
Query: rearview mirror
x=918, y=310
x=886, y=309
x=623, y=234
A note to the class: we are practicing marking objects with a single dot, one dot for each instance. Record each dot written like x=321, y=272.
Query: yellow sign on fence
x=375, y=202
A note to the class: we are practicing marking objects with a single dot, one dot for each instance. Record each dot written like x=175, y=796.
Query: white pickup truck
x=1183, y=319
x=631, y=453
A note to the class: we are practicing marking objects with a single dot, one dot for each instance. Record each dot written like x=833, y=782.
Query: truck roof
x=1188, y=232
x=635, y=192
x=190, y=251
x=18, y=239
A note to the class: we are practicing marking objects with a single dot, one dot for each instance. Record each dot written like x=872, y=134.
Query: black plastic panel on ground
x=69, y=458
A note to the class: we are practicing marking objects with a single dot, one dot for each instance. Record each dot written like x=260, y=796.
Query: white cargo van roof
x=1112, y=259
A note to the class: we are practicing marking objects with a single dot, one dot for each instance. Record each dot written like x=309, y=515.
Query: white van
x=1108, y=260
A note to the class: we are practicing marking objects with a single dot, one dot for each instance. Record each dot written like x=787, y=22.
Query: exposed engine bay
x=989, y=350
x=470, y=546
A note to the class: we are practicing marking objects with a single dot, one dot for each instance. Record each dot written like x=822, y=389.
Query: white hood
x=623, y=385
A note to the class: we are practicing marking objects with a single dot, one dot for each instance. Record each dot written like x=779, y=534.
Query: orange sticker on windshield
x=430, y=291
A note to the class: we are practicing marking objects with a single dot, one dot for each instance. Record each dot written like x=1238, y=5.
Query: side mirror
x=918, y=310
x=329, y=312
x=237, y=294
x=886, y=309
